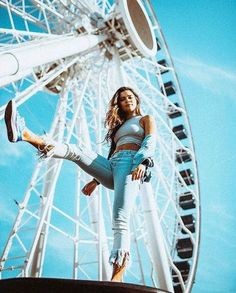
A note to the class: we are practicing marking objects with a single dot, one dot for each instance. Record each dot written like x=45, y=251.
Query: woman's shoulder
x=148, y=124
x=147, y=119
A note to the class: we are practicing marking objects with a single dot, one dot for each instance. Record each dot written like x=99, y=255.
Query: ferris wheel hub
x=139, y=28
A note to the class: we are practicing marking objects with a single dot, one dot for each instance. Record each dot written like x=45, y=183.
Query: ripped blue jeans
x=114, y=173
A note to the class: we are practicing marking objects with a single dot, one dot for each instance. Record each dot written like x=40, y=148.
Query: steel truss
x=84, y=82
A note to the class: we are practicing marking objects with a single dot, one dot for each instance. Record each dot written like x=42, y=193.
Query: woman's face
x=127, y=102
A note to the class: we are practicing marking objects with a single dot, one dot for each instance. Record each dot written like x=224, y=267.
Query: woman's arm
x=147, y=148
x=149, y=125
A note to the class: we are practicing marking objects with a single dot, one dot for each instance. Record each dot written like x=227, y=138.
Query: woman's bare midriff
x=127, y=146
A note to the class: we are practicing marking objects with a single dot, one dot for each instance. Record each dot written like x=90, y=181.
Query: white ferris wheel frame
x=139, y=68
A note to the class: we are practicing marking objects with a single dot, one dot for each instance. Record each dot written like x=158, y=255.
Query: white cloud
x=222, y=212
x=214, y=78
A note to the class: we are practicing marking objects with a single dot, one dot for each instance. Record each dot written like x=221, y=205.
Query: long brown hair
x=115, y=116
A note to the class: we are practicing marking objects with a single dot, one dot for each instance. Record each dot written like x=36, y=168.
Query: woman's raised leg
x=16, y=129
x=91, y=162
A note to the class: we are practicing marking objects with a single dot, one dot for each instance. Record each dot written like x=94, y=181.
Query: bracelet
x=94, y=179
x=148, y=162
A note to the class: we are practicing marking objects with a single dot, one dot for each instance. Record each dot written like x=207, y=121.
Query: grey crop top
x=130, y=132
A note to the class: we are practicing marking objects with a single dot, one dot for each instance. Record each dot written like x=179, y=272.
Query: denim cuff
x=120, y=257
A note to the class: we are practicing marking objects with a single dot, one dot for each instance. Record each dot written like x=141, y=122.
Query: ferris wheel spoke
x=156, y=66
x=157, y=107
x=150, y=86
x=10, y=36
x=36, y=216
x=26, y=14
x=22, y=211
x=146, y=69
x=87, y=80
x=170, y=218
x=49, y=8
x=39, y=84
x=80, y=5
x=105, y=5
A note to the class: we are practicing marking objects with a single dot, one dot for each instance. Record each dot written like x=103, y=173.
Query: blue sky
x=201, y=38
x=202, y=42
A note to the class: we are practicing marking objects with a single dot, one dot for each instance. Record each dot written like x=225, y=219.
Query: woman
x=132, y=138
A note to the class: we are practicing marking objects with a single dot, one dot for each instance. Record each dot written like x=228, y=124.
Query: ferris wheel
x=79, y=53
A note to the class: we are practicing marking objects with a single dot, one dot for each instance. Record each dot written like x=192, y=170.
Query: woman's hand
x=138, y=172
x=89, y=188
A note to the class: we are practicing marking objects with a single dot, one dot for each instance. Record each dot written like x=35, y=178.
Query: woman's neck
x=131, y=115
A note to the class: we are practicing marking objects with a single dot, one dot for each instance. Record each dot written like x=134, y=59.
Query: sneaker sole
x=10, y=117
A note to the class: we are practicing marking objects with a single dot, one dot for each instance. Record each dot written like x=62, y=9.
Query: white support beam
x=58, y=133
x=156, y=238
x=97, y=218
x=35, y=54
